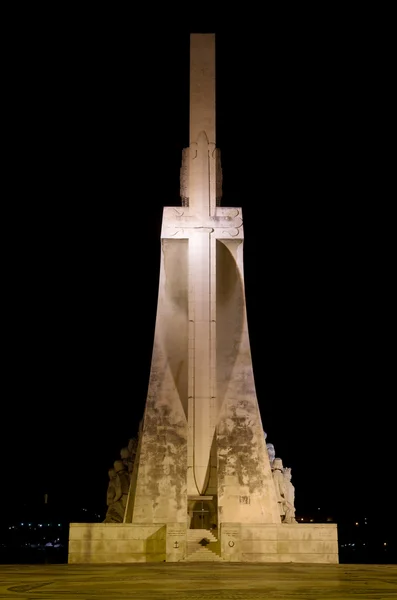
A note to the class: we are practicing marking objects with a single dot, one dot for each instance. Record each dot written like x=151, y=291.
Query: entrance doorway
x=201, y=517
x=202, y=512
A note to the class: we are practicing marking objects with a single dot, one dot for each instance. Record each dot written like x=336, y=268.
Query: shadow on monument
x=175, y=306
x=230, y=312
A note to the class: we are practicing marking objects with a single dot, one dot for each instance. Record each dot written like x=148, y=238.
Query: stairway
x=197, y=551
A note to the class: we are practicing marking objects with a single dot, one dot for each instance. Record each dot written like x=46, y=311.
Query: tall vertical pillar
x=202, y=202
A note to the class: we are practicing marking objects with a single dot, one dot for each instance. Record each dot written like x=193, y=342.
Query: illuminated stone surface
x=202, y=461
x=192, y=581
x=239, y=542
x=202, y=432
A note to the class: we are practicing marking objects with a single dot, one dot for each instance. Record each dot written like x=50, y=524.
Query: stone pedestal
x=304, y=543
x=116, y=543
x=175, y=542
x=239, y=542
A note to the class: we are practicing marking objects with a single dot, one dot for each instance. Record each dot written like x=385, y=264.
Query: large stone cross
x=202, y=222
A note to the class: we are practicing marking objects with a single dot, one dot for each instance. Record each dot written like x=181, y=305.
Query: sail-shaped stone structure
x=202, y=471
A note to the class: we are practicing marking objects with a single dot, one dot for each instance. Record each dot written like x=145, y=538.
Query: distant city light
x=385, y=543
x=356, y=523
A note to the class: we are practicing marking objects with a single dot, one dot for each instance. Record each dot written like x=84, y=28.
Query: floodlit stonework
x=202, y=485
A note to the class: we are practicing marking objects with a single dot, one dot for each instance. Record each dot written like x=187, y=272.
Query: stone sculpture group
x=285, y=490
x=119, y=483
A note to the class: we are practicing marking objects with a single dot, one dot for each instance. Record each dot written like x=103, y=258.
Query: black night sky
x=100, y=118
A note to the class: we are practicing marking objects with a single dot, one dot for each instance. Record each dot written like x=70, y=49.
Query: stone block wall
x=116, y=543
x=304, y=543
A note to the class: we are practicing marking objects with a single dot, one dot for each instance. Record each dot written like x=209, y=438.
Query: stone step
x=198, y=559
x=199, y=534
x=203, y=555
x=194, y=547
x=198, y=540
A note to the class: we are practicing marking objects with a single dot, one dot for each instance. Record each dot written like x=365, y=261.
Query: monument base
x=130, y=543
x=300, y=543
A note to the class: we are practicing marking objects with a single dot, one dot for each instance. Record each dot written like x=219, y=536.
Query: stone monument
x=201, y=487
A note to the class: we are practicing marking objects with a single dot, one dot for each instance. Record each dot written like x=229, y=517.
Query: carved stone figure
x=289, y=496
x=112, y=496
x=128, y=455
x=122, y=474
x=119, y=483
x=126, y=458
x=132, y=446
x=111, y=493
x=117, y=493
x=272, y=453
x=287, y=510
x=279, y=483
x=124, y=453
x=132, y=449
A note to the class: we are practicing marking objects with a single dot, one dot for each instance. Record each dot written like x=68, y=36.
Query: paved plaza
x=195, y=581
